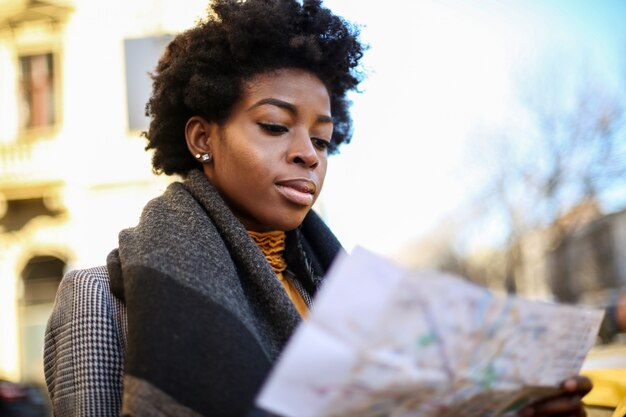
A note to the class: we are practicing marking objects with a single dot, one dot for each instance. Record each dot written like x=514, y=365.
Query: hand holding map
x=385, y=341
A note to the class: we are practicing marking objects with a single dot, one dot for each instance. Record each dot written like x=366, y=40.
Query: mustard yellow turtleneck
x=272, y=244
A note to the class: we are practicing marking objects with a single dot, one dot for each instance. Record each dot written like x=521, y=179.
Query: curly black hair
x=203, y=69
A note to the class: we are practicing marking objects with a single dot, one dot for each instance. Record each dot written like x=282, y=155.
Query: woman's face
x=269, y=157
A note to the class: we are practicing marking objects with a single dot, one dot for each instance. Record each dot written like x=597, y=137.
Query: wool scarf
x=206, y=315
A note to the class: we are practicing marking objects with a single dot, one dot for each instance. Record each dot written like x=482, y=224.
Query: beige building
x=73, y=171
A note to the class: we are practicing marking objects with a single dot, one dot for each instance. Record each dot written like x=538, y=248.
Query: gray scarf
x=206, y=315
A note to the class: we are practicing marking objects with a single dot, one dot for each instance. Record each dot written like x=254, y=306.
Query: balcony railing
x=30, y=162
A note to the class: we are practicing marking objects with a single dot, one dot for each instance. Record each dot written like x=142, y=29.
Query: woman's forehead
x=295, y=86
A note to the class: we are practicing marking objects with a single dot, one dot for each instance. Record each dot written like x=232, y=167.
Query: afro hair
x=203, y=70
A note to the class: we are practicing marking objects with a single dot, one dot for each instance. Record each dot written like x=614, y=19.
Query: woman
x=188, y=316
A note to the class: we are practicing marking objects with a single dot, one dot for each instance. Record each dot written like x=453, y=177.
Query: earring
x=205, y=157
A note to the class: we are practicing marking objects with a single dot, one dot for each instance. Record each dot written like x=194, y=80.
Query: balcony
x=27, y=168
x=16, y=13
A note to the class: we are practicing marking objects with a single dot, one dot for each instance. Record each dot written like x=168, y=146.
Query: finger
x=581, y=414
x=578, y=384
x=530, y=412
x=562, y=405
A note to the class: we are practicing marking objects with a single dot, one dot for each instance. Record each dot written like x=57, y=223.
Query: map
x=382, y=340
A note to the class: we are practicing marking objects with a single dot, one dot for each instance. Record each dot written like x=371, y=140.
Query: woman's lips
x=298, y=191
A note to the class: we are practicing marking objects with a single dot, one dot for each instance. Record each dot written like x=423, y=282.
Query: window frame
x=28, y=133
x=136, y=76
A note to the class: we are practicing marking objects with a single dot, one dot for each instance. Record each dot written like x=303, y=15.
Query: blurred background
x=489, y=140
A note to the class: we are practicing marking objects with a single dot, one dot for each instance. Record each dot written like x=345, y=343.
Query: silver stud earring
x=205, y=157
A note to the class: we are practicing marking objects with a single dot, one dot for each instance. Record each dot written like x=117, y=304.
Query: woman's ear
x=199, y=134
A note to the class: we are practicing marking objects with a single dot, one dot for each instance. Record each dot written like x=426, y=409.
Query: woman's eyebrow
x=275, y=102
x=324, y=119
x=287, y=106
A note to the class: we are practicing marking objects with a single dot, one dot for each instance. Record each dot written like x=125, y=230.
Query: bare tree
x=567, y=151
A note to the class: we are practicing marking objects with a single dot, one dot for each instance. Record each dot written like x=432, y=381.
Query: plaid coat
x=85, y=345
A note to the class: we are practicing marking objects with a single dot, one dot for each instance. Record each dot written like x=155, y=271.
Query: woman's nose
x=302, y=151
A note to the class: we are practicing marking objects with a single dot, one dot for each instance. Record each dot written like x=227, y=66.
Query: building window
x=141, y=56
x=40, y=280
x=37, y=92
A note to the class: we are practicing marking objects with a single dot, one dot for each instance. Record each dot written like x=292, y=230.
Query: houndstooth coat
x=85, y=346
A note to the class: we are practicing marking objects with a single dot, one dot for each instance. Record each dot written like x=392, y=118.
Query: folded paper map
x=385, y=341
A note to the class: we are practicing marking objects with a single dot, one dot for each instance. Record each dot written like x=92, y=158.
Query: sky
x=436, y=72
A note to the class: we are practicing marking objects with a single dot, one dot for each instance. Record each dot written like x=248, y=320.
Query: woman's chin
x=285, y=223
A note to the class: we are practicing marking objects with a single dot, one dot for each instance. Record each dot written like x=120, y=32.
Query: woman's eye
x=274, y=129
x=321, y=144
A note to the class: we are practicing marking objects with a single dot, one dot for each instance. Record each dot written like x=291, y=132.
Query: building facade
x=73, y=170
x=589, y=266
